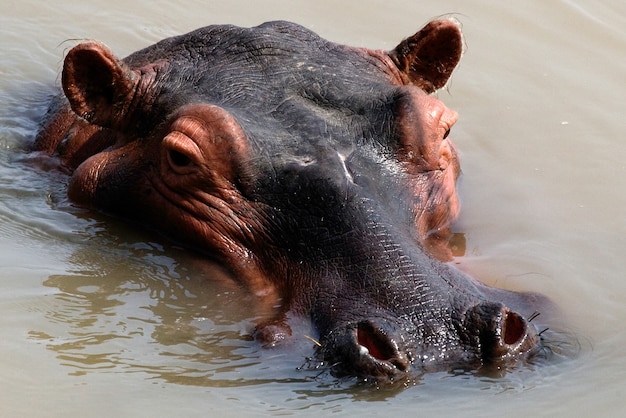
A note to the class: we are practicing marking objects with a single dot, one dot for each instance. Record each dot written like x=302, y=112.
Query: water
x=100, y=319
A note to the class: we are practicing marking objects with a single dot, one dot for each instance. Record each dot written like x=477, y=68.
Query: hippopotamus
x=322, y=176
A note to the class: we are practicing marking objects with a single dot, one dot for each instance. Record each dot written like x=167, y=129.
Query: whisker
x=313, y=340
x=533, y=316
x=541, y=332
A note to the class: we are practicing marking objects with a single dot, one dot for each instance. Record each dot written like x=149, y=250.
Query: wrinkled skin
x=321, y=175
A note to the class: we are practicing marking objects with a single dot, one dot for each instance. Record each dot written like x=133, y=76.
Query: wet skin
x=321, y=175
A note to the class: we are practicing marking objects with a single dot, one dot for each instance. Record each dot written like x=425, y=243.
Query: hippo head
x=321, y=175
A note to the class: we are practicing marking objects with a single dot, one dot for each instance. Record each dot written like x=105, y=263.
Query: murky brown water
x=99, y=319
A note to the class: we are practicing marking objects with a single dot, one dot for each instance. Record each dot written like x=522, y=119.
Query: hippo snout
x=490, y=334
x=365, y=348
x=499, y=333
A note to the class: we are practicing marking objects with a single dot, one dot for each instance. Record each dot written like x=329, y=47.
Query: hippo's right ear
x=428, y=58
x=96, y=82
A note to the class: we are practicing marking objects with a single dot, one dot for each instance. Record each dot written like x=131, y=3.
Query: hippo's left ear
x=427, y=58
x=96, y=83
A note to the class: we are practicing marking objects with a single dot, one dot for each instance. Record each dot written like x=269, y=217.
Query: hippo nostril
x=513, y=328
x=366, y=349
x=374, y=341
x=501, y=333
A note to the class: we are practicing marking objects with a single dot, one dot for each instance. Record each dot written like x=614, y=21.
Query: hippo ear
x=95, y=82
x=427, y=58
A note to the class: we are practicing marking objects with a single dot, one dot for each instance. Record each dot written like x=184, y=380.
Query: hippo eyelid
x=181, y=151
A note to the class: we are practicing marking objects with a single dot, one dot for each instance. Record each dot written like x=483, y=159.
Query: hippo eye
x=179, y=159
x=180, y=153
x=446, y=134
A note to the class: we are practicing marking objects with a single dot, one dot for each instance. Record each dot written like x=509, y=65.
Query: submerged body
x=321, y=175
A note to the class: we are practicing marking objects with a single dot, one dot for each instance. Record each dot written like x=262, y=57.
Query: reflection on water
x=136, y=309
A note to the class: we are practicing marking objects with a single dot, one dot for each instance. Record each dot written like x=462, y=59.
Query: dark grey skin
x=321, y=175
